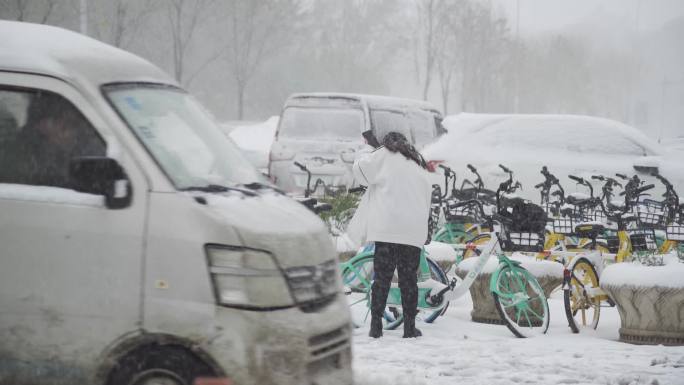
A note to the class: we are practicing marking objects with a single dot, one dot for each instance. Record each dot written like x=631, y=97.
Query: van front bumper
x=284, y=347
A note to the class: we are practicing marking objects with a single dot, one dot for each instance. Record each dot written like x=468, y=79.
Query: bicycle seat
x=589, y=230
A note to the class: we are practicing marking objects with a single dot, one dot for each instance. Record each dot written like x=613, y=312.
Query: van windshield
x=386, y=121
x=424, y=127
x=181, y=136
x=322, y=123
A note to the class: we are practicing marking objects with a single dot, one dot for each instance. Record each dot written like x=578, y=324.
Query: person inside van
x=43, y=148
x=395, y=212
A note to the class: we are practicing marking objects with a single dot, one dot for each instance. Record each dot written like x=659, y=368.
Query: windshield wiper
x=217, y=188
x=260, y=186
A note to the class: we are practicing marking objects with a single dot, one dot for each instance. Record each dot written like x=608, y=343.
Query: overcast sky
x=548, y=15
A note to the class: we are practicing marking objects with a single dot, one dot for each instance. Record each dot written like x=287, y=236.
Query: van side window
x=40, y=132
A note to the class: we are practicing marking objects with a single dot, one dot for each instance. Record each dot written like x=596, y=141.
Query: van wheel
x=159, y=365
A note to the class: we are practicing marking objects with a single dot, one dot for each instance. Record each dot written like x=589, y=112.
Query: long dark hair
x=396, y=142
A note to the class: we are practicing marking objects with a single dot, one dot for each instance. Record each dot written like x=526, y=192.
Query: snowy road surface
x=455, y=350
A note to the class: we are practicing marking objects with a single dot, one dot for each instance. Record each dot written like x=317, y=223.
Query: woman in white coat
x=394, y=214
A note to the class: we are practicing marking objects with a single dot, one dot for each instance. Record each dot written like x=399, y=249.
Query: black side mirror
x=101, y=176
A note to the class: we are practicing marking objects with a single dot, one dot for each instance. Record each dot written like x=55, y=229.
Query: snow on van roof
x=471, y=123
x=53, y=51
x=374, y=101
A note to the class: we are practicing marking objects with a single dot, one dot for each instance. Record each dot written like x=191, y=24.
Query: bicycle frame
x=457, y=289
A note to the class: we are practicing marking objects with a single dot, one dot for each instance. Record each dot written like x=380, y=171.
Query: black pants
x=404, y=258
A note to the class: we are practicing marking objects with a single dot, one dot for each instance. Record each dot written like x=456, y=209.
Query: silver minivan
x=323, y=131
x=137, y=245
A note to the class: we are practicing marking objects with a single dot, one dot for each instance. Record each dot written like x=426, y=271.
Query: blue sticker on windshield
x=132, y=102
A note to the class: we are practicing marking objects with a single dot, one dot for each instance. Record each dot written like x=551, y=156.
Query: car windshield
x=322, y=123
x=423, y=125
x=386, y=121
x=181, y=136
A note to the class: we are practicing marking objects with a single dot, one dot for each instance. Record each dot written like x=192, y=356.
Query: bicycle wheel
x=357, y=280
x=582, y=305
x=520, y=301
x=424, y=314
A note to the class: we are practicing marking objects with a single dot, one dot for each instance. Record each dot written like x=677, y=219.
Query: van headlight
x=247, y=278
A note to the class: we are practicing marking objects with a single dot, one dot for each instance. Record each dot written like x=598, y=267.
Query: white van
x=137, y=246
x=322, y=131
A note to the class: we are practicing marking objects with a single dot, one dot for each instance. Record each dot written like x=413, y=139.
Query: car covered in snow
x=254, y=139
x=323, y=131
x=566, y=144
x=138, y=245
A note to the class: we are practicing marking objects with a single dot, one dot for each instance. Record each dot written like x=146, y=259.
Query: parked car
x=567, y=144
x=322, y=131
x=138, y=246
x=254, y=140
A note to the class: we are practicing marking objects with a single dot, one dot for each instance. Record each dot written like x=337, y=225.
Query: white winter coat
x=396, y=206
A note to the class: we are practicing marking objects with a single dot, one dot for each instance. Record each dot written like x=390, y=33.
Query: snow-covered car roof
x=373, y=101
x=560, y=126
x=67, y=55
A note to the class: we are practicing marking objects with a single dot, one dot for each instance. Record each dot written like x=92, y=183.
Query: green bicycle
x=519, y=297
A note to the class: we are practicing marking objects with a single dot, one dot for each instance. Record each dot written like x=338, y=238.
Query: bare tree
x=119, y=21
x=184, y=17
x=449, y=38
x=256, y=30
x=36, y=11
x=427, y=12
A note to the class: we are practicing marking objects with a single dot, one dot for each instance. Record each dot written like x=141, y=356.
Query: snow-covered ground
x=455, y=350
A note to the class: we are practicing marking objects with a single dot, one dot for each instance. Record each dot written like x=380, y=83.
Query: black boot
x=376, y=327
x=410, y=329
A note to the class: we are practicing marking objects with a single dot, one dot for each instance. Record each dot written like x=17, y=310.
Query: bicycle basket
x=643, y=240
x=525, y=217
x=651, y=220
x=565, y=226
x=461, y=214
x=675, y=232
x=652, y=205
x=599, y=216
x=523, y=241
x=651, y=217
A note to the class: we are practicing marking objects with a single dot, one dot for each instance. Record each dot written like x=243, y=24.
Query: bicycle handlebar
x=356, y=190
x=471, y=168
x=622, y=176
x=576, y=179
x=301, y=166
x=643, y=189
x=505, y=168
